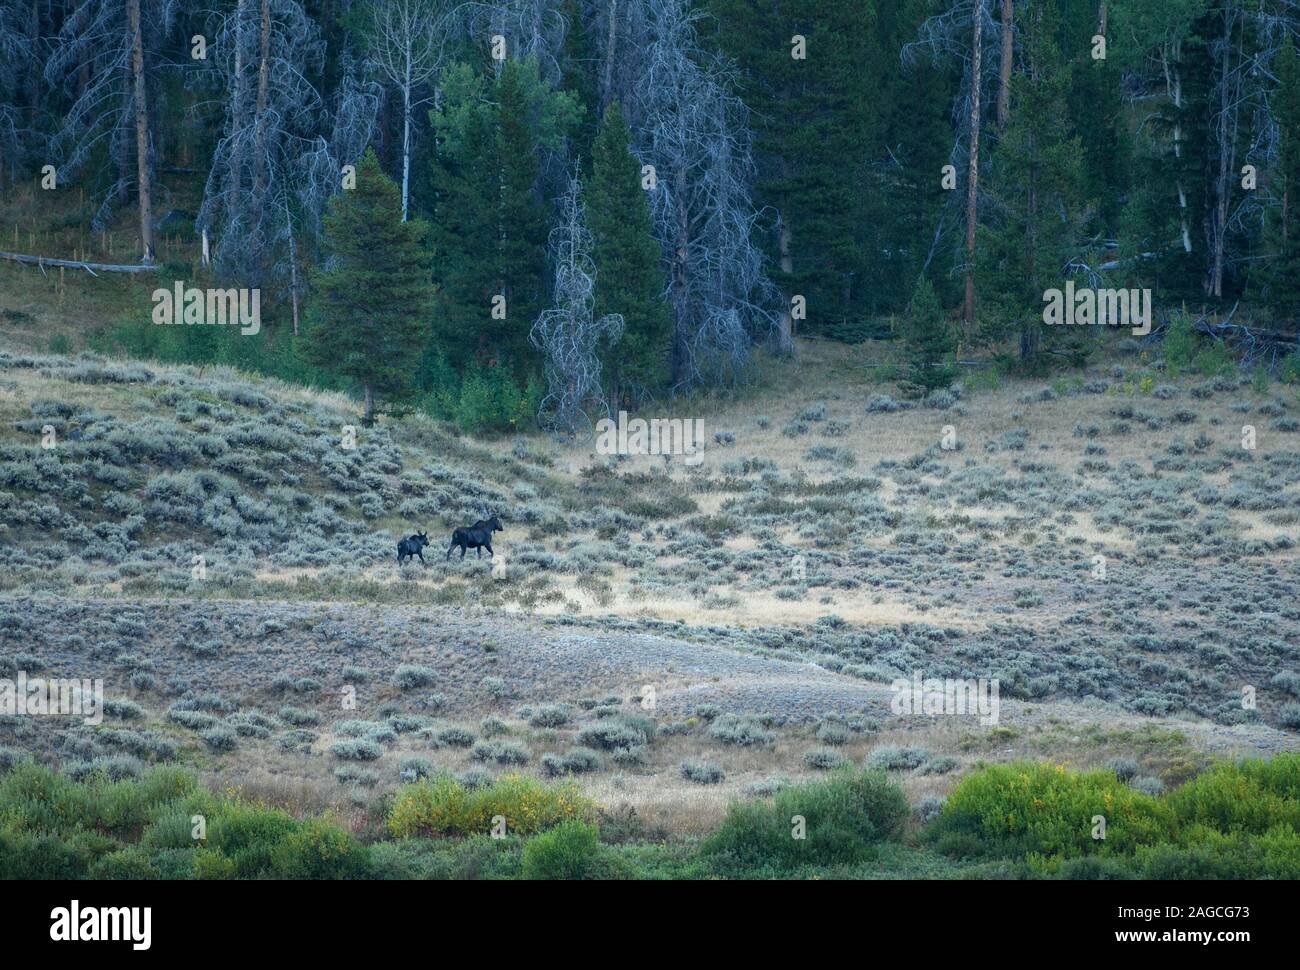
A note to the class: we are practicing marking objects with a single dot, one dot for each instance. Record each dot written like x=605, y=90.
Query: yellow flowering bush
x=443, y=806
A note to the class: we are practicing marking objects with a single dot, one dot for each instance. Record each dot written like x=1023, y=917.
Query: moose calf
x=411, y=547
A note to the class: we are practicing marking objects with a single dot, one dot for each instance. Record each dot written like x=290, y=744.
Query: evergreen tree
x=629, y=265
x=815, y=128
x=578, y=66
x=906, y=190
x=490, y=220
x=1276, y=278
x=368, y=316
x=929, y=340
x=1096, y=104
x=522, y=227
x=1035, y=187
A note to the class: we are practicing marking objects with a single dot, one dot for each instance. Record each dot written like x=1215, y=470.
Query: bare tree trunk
x=972, y=190
x=1008, y=58
x=1029, y=332
x=237, y=117
x=611, y=48
x=263, y=96
x=141, y=132
x=785, y=332
x=293, y=275
x=1227, y=128
x=1174, y=86
x=680, y=277
x=786, y=335
x=368, y=416
x=1102, y=18
x=406, y=141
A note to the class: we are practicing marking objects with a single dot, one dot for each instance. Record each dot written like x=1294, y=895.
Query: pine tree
x=1096, y=103
x=368, y=316
x=490, y=220
x=521, y=218
x=929, y=340
x=1035, y=187
x=1175, y=177
x=629, y=265
x=815, y=128
x=578, y=66
x=465, y=217
x=1276, y=278
x=906, y=189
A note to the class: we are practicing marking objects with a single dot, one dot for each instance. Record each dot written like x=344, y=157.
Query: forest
x=543, y=211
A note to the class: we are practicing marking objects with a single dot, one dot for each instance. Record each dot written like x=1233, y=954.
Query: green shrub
x=491, y=401
x=565, y=852
x=843, y=817
x=1179, y=343
x=1045, y=810
x=1288, y=370
x=1097, y=867
x=1206, y=854
x=1247, y=796
x=247, y=835
x=476, y=857
x=27, y=856
x=315, y=849
x=129, y=863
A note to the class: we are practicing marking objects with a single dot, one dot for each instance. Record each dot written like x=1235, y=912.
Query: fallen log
x=43, y=261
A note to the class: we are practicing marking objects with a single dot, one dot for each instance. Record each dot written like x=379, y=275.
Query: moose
x=412, y=546
x=477, y=536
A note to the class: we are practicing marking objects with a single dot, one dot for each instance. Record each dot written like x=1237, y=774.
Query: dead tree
x=965, y=32
x=263, y=52
x=102, y=59
x=693, y=131
x=406, y=44
x=568, y=335
x=19, y=67
x=140, y=97
x=531, y=28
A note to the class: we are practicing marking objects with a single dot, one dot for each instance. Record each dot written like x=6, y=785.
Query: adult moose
x=477, y=536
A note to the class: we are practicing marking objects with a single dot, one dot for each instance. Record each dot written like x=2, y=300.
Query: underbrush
x=513, y=804
x=1237, y=820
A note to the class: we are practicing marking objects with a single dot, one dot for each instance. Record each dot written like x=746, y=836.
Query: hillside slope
x=825, y=546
